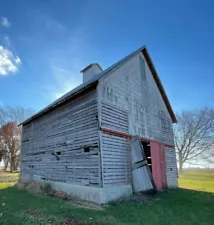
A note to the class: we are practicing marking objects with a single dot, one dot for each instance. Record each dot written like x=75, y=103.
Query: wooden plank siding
x=54, y=145
x=115, y=160
x=115, y=150
x=142, y=179
x=131, y=104
x=171, y=168
x=135, y=91
x=113, y=117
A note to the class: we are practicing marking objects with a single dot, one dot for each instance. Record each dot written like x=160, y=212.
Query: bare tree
x=8, y=116
x=3, y=116
x=10, y=135
x=194, y=135
x=208, y=156
x=18, y=114
x=14, y=114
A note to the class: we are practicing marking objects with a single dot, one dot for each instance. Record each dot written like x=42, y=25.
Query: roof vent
x=90, y=71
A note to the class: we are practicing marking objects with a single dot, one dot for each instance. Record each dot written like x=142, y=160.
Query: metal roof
x=88, y=84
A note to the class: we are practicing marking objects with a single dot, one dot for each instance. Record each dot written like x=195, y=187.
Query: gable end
x=159, y=84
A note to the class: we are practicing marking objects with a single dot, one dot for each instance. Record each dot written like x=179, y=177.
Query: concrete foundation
x=93, y=194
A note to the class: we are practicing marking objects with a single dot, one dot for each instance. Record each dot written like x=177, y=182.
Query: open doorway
x=147, y=150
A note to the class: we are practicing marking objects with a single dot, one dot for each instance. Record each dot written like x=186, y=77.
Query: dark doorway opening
x=147, y=150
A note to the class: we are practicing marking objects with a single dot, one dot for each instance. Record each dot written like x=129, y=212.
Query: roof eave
x=68, y=98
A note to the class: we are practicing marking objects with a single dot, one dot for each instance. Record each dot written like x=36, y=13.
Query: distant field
x=7, y=177
x=202, y=180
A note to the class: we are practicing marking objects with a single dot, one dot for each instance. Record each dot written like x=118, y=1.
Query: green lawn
x=202, y=180
x=174, y=207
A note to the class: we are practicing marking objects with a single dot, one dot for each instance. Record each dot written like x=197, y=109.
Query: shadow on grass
x=180, y=206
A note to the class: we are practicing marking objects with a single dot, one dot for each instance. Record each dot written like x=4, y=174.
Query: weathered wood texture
x=116, y=168
x=141, y=174
x=132, y=87
x=171, y=168
x=115, y=150
x=114, y=117
x=132, y=103
x=63, y=144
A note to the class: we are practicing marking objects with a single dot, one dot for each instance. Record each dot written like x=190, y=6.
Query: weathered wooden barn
x=106, y=138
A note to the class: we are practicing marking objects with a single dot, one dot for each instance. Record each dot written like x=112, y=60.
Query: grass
x=174, y=207
x=202, y=180
x=7, y=173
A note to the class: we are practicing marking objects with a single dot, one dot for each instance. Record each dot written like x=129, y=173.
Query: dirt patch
x=85, y=204
x=74, y=221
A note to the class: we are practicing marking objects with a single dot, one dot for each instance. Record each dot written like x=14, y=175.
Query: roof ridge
x=100, y=75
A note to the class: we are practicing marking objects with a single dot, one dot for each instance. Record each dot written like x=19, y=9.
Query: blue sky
x=45, y=43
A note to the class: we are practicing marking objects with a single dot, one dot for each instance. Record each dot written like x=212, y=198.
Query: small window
x=86, y=149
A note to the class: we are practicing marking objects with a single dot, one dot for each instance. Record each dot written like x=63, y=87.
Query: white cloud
x=5, y=22
x=8, y=62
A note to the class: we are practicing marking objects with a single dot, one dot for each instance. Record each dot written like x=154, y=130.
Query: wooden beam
x=129, y=136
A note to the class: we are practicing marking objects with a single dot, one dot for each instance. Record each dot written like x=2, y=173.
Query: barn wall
x=130, y=102
x=116, y=168
x=171, y=168
x=53, y=145
x=115, y=150
x=133, y=89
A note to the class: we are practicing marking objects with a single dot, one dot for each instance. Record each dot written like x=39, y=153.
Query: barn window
x=142, y=67
x=86, y=149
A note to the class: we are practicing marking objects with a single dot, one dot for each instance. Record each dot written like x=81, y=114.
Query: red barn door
x=158, y=164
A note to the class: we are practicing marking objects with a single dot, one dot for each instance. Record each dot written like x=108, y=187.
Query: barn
x=107, y=138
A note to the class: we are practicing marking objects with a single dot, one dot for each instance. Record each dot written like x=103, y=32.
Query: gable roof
x=88, y=85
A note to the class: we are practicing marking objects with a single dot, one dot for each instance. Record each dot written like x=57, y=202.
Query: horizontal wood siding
x=53, y=145
x=114, y=118
x=133, y=88
x=171, y=168
x=116, y=169
x=115, y=160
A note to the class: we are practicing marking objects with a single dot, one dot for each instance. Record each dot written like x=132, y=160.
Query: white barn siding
x=53, y=145
x=139, y=95
x=171, y=168
x=116, y=168
x=132, y=90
